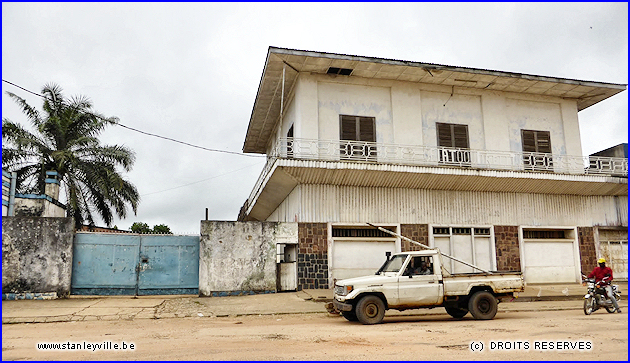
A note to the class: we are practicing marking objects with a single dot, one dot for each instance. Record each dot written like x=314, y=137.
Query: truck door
x=420, y=285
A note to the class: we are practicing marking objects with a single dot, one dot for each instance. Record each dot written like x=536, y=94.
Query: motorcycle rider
x=603, y=276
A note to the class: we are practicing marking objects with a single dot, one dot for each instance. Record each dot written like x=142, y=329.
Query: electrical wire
x=150, y=134
x=185, y=185
x=191, y=145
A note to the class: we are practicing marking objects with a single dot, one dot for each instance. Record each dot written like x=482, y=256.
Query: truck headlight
x=343, y=290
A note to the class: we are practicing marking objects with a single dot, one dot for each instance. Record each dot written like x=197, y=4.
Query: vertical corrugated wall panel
x=327, y=203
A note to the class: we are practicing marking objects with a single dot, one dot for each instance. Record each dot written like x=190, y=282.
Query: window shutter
x=460, y=135
x=366, y=129
x=357, y=128
x=348, y=128
x=444, y=135
x=452, y=135
x=529, y=141
x=536, y=141
x=543, y=141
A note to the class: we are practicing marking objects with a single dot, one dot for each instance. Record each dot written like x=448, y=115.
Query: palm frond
x=67, y=141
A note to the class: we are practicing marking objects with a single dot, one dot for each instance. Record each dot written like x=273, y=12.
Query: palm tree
x=66, y=141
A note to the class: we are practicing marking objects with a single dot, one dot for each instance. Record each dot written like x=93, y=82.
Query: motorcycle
x=596, y=296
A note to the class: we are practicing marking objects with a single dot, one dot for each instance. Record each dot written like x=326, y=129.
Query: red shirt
x=599, y=274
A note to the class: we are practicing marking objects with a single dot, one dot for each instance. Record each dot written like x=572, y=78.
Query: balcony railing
x=335, y=150
x=371, y=152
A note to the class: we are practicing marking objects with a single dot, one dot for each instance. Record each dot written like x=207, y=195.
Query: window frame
x=357, y=149
x=453, y=154
x=537, y=160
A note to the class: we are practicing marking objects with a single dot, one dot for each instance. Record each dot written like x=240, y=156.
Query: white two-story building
x=486, y=165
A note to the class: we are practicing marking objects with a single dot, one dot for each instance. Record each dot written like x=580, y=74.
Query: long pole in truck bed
x=427, y=247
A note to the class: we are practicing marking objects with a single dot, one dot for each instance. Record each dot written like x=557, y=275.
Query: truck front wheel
x=370, y=310
x=483, y=305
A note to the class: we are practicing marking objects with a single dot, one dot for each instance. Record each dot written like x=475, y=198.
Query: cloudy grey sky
x=191, y=71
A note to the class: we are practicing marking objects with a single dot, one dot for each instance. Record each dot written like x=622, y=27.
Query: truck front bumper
x=342, y=306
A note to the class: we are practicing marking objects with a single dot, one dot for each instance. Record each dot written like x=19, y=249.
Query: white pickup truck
x=413, y=280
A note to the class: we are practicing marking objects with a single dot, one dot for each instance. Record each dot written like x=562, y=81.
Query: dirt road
x=325, y=337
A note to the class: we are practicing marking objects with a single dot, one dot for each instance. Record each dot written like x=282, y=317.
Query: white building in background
x=485, y=165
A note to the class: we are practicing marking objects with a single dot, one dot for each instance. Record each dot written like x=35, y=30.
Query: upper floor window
x=357, y=132
x=453, y=143
x=290, y=142
x=537, y=150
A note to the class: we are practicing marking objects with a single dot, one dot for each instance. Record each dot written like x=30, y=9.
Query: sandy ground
x=325, y=337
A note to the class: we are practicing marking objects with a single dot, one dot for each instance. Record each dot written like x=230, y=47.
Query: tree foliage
x=65, y=139
x=141, y=227
x=162, y=229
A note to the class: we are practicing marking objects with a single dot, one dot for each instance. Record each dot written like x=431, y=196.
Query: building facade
x=485, y=165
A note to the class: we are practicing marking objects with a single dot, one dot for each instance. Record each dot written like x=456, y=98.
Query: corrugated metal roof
x=267, y=104
x=287, y=173
x=448, y=178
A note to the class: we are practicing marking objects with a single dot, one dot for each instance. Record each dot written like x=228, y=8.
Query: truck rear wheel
x=457, y=313
x=349, y=315
x=370, y=310
x=483, y=305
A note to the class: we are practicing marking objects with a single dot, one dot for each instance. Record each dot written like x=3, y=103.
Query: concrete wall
x=37, y=255
x=38, y=206
x=406, y=113
x=240, y=257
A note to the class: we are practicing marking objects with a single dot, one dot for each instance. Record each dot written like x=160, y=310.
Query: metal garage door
x=550, y=257
x=358, y=258
x=471, y=244
x=613, y=245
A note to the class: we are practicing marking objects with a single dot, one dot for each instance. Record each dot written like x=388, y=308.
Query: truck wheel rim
x=371, y=310
x=484, y=306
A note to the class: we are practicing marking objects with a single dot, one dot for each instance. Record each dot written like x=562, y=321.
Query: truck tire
x=349, y=315
x=483, y=305
x=457, y=313
x=370, y=310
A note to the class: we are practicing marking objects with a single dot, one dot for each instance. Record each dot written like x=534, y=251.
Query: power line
x=22, y=88
x=185, y=143
x=185, y=185
x=150, y=134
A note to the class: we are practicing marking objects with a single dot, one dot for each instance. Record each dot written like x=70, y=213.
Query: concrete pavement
x=77, y=308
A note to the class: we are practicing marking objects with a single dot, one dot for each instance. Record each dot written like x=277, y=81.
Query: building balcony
x=359, y=151
x=296, y=161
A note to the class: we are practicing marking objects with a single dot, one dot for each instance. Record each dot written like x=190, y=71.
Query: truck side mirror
x=388, y=254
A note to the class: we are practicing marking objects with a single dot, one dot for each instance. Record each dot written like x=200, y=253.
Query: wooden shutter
x=452, y=135
x=290, y=142
x=357, y=128
x=536, y=141
x=529, y=141
x=460, y=136
x=444, y=135
x=348, y=128
x=366, y=129
x=543, y=141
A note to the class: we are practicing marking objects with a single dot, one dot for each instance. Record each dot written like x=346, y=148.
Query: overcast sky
x=191, y=71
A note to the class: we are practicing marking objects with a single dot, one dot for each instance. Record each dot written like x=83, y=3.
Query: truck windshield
x=394, y=264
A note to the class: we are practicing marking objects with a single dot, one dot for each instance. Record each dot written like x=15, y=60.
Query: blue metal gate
x=131, y=264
